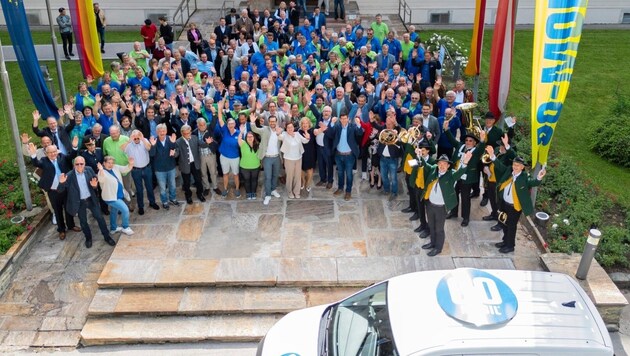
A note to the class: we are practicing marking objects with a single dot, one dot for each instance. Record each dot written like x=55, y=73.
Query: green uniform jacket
x=446, y=182
x=472, y=175
x=523, y=184
x=419, y=170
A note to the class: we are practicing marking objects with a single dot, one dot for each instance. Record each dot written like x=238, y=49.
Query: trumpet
x=468, y=120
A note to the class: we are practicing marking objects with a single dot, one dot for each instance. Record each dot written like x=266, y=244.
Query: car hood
x=296, y=334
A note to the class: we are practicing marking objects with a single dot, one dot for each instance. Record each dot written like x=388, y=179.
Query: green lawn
x=598, y=77
x=43, y=37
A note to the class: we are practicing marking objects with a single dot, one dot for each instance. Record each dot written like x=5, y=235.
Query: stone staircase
x=232, y=299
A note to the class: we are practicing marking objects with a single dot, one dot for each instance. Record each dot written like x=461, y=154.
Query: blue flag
x=17, y=25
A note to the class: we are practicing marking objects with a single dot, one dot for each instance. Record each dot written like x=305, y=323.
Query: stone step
x=210, y=300
x=176, y=329
x=283, y=272
x=262, y=272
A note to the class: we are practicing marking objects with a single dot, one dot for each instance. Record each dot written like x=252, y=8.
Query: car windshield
x=360, y=325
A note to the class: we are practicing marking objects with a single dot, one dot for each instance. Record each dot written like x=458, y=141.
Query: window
x=626, y=17
x=440, y=18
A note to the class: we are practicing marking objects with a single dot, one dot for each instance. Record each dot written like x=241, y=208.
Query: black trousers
x=509, y=228
x=436, y=216
x=250, y=176
x=196, y=174
x=84, y=205
x=464, y=191
x=66, y=39
x=491, y=193
x=421, y=207
x=58, y=201
x=411, y=190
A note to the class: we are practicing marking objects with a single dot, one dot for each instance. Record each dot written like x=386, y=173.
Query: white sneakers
x=126, y=231
x=364, y=176
x=275, y=193
x=54, y=219
x=267, y=199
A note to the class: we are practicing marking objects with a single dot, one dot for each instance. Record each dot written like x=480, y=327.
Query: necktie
x=55, y=182
x=55, y=140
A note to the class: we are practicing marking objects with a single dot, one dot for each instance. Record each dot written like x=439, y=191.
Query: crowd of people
x=277, y=91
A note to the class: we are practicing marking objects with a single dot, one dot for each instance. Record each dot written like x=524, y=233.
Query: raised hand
x=89, y=80
x=357, y=121
x=490, y=150
x=278, y=130
x=252, y=117
x=94, y=182
x=25, y=138
x=428, y=135
x=153, y=141
x=99, y=166
x=467, y=157
x=171, y=153
x=173, y=138
x=32, y=150
x=209, y=140
x=36, y=116
x=307, y=135
x=505, y=140
x=75, y=142
x=482, y=135
x=63, y=178
x=542, y=173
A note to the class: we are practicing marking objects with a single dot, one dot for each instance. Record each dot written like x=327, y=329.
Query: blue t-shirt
x=229, y=143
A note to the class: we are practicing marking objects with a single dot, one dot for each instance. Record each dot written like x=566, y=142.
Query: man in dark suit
x=230, y=21
x=53, y=165
x=80, y=185
x=189, y=163
x=493, y=138
x=96, y=135
x=57, y=134
x=317, y=20
x=346, y=138
x=440, y=197
x=465, y=185
x=323, y=141
x=222, y=31
x=93, y=156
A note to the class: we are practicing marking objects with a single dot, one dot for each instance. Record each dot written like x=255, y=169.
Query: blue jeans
x=339, y=3
x=101, y=35
x=115, y=207
x=301, y=4
x=140, y=175
x=388, y=172
x=325, y=165
x=166, y=178
x=345, y=164
x=271, y=166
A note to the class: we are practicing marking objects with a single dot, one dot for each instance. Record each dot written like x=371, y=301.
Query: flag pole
x=15, y=131
x=62, y=85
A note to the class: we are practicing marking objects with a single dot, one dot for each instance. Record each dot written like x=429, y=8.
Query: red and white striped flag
x=501, y=56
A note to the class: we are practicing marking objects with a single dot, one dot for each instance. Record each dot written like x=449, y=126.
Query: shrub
x=8, y=233
x=609, y=138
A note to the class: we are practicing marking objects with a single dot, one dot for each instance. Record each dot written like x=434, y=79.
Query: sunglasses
x=79, y=164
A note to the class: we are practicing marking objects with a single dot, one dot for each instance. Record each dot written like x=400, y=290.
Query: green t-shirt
x=380, y=31
x=140, y=60
x=249, y=157
x=112, y=148
x=406, y=49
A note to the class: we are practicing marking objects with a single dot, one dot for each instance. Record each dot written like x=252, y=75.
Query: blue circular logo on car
x=476, y=297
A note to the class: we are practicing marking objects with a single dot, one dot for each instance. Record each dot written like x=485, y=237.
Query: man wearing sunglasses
x=80, y=184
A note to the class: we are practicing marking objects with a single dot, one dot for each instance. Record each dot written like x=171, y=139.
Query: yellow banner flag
x=557, y=32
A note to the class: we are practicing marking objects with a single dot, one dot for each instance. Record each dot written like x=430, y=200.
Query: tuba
x=471, y=123
x=388, y=137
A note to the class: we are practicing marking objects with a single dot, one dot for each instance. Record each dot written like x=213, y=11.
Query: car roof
x=553, y=313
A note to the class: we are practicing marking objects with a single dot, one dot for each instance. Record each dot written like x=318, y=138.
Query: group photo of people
x=273, y=104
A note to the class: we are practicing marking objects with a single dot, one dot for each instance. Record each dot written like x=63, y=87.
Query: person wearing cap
x=464, y=187
x=513, y=191
x=440, y=197
x=417, y=183
x=65, y=29
x=504, y=153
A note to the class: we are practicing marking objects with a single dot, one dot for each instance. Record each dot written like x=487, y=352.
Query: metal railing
x=226, y=4
x=404, y=12
x=183, y=13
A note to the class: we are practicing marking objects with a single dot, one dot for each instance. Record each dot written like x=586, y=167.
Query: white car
x=455, y=312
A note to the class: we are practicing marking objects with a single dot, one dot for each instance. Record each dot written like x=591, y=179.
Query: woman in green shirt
x=249, y=163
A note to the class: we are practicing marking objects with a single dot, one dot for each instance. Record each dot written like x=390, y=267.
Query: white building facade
x=134, y=12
